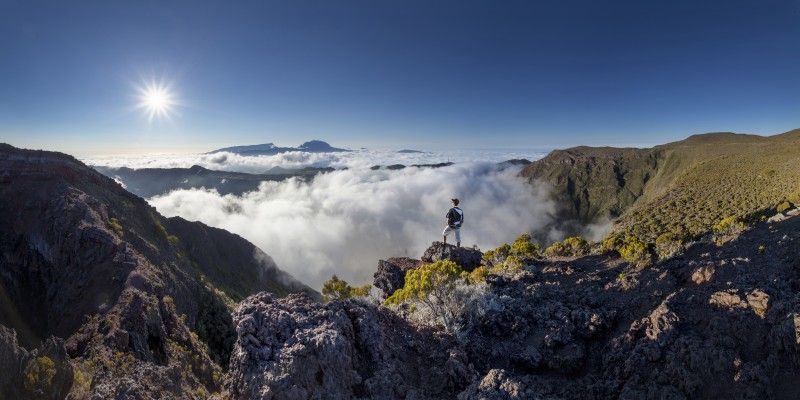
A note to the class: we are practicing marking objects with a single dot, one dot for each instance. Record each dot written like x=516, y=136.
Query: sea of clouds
x=344, y=221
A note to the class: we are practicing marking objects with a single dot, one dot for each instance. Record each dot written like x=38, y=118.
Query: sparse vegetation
x=115, y=226
x=783, y=206
x=573, y=246
x=39, y=374
x=339, y=289
x=440, y=289
x=512, y=255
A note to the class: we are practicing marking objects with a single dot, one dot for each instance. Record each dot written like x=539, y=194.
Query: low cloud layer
x=344, y=221
x=361, y=159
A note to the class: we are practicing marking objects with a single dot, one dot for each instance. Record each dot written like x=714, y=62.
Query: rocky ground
x=715, y=322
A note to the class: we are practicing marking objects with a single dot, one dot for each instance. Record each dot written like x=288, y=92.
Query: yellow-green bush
x=523, y=247
x=115, y=226
x=497, y=255
x=425, y=281
x=634, y=250
x=668, y=244
x=729, y=225
x=438, y=292
x=573, y=246
x=783, y=206
x=339, y=289
x=39, y=373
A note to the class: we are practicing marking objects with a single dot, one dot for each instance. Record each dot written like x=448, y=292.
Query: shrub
x=729, y=225
x=339, y=289
x=783, y=206
x=634, y=250
x=667, y=245
x=573, y=246
x=523, y=247
x=39, y=374
x=435, y=289
x=115, y=226
x=762, y=249
x=497, y=255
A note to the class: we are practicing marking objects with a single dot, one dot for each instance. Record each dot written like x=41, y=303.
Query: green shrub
x=523, y=247
x=339, y=289
x=634, y=250
x=729, y=225
x=39, y=374
x=497, y=255
x=115, y=226
x=574, y=246
x=783, y=206
x=439, y=290
x=426, y=282
x=667, y=245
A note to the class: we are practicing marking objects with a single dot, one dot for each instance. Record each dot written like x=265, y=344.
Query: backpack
x=455, y=217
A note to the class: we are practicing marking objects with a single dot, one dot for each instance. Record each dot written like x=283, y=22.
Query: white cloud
x=361, y=159
x=343, y=222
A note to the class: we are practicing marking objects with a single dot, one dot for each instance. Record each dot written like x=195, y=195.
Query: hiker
x=455, y=218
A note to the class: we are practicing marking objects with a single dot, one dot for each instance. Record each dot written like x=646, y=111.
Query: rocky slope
x=108, y=299
x=715, y=322
x=682, y=187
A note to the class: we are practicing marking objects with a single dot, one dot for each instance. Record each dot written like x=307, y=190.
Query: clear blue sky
x=395, y=73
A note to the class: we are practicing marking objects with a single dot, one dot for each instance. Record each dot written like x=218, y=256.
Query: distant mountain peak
x=311, y=146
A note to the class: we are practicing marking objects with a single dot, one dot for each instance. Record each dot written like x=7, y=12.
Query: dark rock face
x=391, y=274
x=467, y=258
x=294, y=348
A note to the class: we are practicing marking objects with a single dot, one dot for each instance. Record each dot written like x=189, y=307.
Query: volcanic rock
x=467, y=258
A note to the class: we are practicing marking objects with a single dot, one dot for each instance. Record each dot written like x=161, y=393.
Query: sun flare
x=157, y=100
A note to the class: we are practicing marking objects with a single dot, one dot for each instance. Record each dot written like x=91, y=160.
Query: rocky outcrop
x=297, y=349
x=715, y=322
x=467, y=258
x=391, y=274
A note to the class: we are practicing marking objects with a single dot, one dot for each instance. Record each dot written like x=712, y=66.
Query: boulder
x=467, y=258
x=296, y=348
x=391, y=273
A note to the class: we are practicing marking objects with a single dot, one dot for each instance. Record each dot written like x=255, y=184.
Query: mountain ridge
x=596, y=184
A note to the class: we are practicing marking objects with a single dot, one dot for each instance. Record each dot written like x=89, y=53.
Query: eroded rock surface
x=295, y=348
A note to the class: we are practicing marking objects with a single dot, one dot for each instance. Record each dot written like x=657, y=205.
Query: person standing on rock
x=455, y=218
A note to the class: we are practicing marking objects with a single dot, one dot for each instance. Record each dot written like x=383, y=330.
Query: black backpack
x=455, y=218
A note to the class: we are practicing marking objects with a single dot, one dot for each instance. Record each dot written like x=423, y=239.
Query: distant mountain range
x=148, y=182
x=312, y=146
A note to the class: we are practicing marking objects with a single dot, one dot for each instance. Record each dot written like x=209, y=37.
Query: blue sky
x=421, y=74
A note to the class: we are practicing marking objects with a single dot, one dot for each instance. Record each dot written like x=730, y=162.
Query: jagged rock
x=777, y=218
x=497, y=385
x=391, y=274
x=13, y=360
x=340, y=350
x=467, y=258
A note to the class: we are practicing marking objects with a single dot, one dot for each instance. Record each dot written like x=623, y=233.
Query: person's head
x=455, y=202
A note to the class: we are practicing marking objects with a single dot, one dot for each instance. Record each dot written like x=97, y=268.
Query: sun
x=157, y=100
